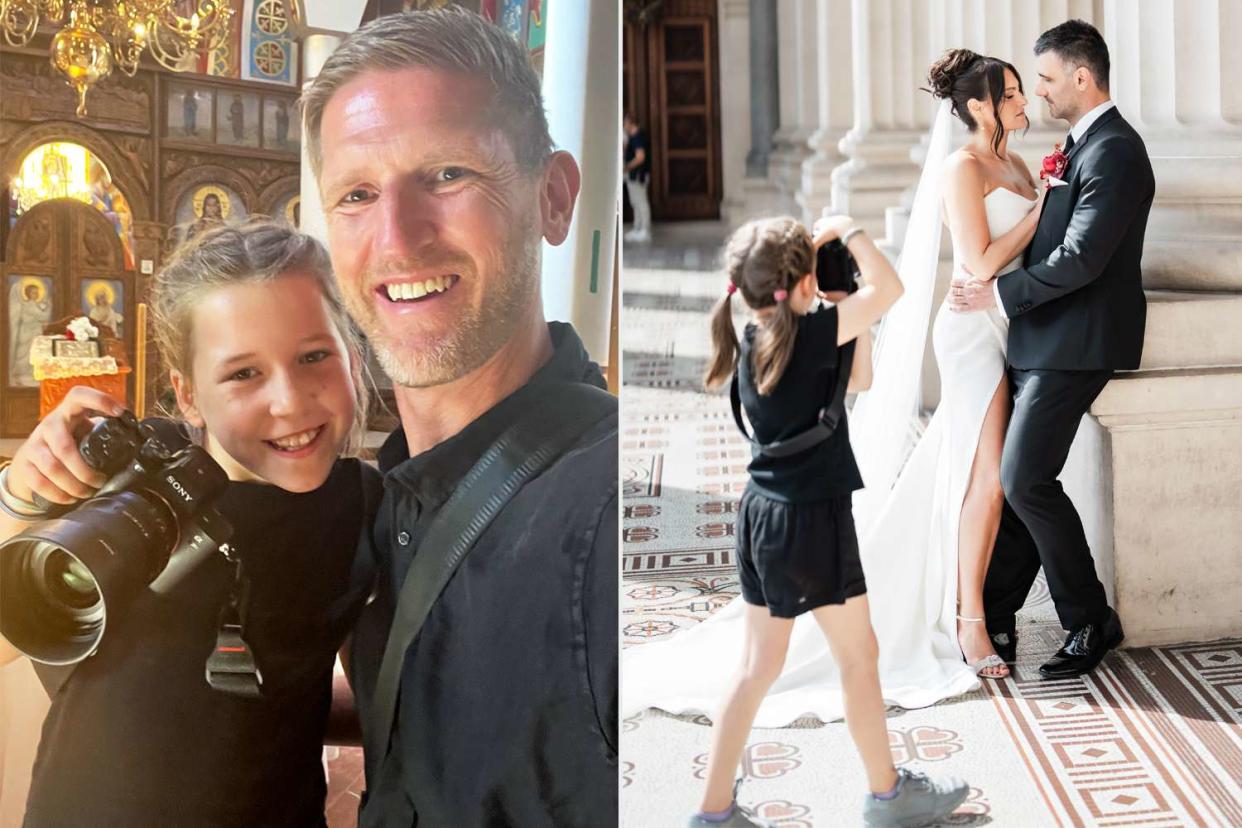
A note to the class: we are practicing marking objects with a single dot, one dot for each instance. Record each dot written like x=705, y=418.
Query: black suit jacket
x=1078, y=303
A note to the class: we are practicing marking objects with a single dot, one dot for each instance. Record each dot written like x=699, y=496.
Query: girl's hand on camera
x=49, y=462
x=828, y=228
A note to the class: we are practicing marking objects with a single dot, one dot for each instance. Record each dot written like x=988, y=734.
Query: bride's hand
x=1046, y=185
x=827, y=228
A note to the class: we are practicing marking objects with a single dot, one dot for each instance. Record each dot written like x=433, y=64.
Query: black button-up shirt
x=507, y=713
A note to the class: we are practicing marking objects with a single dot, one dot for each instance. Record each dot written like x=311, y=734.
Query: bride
x=929, y=517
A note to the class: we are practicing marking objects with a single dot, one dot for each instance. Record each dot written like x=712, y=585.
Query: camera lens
x=58, y=581
x=69, y=582
x=49, y=596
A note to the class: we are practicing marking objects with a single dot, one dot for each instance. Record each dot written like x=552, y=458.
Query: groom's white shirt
x=1076, y=132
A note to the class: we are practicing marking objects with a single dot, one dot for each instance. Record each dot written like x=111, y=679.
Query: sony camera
x=62, y=578
x=835, y=268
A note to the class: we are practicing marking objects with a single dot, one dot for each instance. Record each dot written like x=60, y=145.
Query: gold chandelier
x=104, y=33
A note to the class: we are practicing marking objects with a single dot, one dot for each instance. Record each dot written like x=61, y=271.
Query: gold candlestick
x=140, y=358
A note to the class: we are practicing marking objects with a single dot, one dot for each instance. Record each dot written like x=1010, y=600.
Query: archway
x=64, y=169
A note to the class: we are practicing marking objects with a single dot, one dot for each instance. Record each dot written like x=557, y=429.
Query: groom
x=1076, y=314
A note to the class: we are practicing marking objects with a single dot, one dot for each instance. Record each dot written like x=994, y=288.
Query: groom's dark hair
x=1079, y=43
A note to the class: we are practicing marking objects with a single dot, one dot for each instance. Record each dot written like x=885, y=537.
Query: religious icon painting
x=281, y=124
x=289, y=209
x=30, y=308
x=190, y=114
x=203, y=206
x=103, y=302
x=237, y=119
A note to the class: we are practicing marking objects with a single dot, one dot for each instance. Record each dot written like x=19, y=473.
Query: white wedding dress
x=909, y=555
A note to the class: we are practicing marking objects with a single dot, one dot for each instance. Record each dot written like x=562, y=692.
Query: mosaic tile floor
x=1153, y=737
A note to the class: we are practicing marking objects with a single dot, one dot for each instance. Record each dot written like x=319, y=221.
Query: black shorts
x=794, y=557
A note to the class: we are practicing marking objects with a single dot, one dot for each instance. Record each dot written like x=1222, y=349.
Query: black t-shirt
x=136, y=737
x=507, y=713
x=634, y=143
x=826, y=470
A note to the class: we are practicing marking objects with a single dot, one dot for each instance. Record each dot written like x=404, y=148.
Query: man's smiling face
x=433, y=226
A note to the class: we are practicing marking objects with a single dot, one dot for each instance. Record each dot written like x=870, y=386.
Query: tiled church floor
x=1153, y=737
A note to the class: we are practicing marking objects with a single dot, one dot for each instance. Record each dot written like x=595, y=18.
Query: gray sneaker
x=920, y=800
x=739, y=817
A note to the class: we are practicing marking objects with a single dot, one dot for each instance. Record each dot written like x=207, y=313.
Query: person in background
x=637, y=161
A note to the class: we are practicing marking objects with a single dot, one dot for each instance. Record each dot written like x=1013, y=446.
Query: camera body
x=187, y=481
x=60, y=579
x=835, y=268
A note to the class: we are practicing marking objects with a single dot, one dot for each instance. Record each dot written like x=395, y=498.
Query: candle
x=140, y=360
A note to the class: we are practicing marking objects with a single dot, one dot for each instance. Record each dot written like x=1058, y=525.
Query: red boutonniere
x=1054, y=164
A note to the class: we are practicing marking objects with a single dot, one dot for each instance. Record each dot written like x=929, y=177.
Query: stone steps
x=1192, y=330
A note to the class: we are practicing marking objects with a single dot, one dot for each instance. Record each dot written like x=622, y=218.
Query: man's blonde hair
x=449, y=40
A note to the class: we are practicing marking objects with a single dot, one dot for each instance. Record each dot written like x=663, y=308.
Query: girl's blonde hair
x=761, y=257
x=258, y=250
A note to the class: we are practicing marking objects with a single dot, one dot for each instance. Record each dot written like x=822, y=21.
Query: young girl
x=266, y=370
x=796, y=550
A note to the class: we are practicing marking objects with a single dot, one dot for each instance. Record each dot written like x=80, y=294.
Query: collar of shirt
x=432, y=475
x=1084, y=123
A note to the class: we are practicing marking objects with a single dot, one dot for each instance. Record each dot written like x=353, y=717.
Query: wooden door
x=671, y=73
x=62, y=256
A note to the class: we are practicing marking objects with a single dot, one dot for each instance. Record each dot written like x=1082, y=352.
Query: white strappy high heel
x=987, y=662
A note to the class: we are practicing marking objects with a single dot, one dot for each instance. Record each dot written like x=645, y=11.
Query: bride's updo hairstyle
x=962, y=75
x=761, y=257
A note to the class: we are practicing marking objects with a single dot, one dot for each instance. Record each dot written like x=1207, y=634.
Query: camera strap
x=829, y=416
x=540, y=435
x=231, y=667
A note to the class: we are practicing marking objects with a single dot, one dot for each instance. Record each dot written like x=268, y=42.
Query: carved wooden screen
x=63, y=257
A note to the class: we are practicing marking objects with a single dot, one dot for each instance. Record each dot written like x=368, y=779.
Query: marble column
x=1174, y=77
x=764, y=86
x=798, y=99
x=887, y=58
x=833, y=44
x=734, y=105
x=580, y=77
x=744, y=195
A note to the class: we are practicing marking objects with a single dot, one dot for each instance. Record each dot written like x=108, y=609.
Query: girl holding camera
x=797, y=551
x=266, y=369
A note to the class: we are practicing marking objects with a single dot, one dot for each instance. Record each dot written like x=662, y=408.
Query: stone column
x=834, y=71
x=764, y=86
x=1156, y=469
x=734, y=105
x=580, y=80
x=888, y=118
x=798, y=98
x=1174, y=77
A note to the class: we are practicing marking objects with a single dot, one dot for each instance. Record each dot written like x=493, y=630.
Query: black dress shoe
x=1006, y=645
x=1084, y=648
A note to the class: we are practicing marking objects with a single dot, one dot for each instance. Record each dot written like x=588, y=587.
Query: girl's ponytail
x=790, y=255
x=764, y=259
x=774, y=346
x=724, y=343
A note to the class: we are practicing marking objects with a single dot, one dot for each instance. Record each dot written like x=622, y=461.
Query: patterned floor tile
x=1152, y=738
